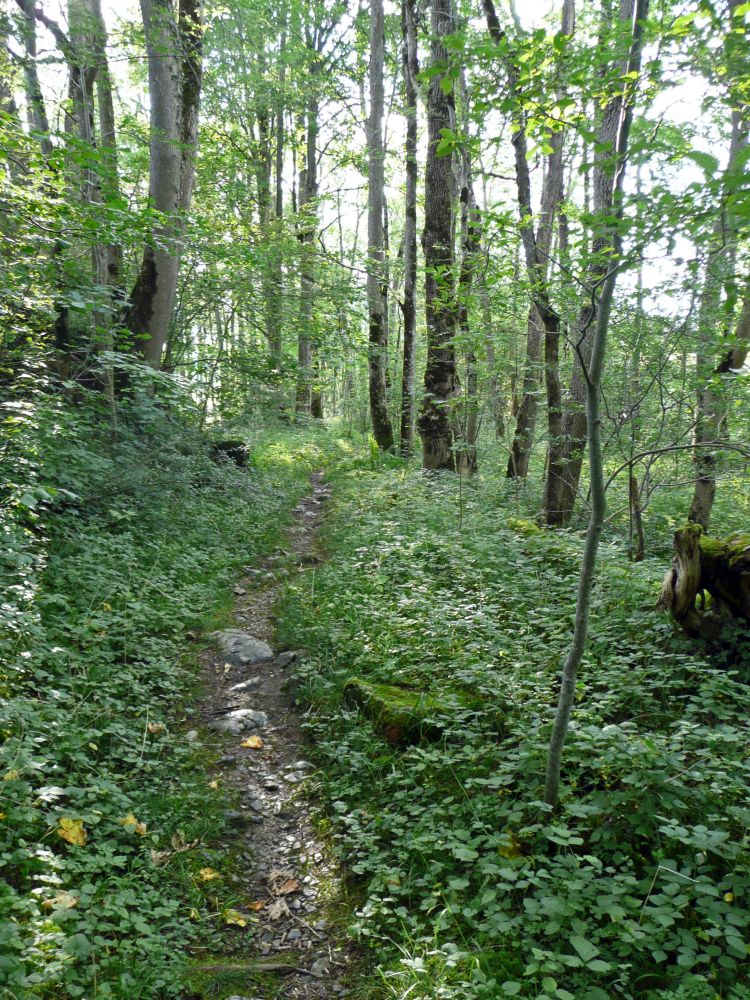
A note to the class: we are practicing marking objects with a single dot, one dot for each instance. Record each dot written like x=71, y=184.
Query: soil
x=292, y=883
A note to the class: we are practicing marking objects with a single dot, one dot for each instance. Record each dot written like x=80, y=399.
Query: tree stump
x=719, y=568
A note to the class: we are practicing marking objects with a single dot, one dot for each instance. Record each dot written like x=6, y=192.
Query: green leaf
x=511, y=988
x=585, y=948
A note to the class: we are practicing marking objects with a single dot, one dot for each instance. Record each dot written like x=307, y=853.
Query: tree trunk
x=711, y=408
x=595, y=366
x=381, y=424
x=441, y=379
x=174, y=49
x=552, y=195
x=536, y=249
x=308, y=193
x=410, y=63
x=566, y=450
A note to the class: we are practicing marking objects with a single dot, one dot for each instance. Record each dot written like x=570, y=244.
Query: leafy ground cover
x=639, y=886
x=113, y=552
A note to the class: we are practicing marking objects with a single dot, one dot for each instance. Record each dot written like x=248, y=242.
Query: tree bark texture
x=441, y=379
x=174, y=48
x=376, y=280
x=410, y=63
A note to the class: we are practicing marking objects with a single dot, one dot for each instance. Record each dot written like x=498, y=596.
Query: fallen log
x=709, y=582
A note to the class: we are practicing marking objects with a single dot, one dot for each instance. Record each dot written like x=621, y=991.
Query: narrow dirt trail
x=290, y=882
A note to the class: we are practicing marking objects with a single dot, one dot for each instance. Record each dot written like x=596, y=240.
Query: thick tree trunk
x=174, y=69
x=376, y=280
x=441, y=379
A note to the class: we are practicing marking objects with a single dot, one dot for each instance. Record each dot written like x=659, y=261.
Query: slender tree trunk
x=376, y=279
x=308, y=193
x=466, y=458
x=566, y=451
x=711, y=405
x=595, y=366
x=410, y=63
x=535, y=248
x=441, y=378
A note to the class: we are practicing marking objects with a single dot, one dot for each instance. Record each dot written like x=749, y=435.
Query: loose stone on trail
x=242, y=649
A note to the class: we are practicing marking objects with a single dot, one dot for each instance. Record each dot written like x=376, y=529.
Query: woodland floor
x=285, y=870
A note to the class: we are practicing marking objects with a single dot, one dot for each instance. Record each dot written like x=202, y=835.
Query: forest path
x=287, y=878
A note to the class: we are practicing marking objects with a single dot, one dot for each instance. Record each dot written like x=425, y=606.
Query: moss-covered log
x=404, y=715
x=703, y=566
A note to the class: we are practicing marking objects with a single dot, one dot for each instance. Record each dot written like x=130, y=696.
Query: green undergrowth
x=112, y=553
x=640, y=885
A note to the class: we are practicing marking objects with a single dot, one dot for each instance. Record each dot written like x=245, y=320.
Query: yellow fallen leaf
x=208, y=874
x=235, y=917
x=155, y=728
x=106, y=606
x=62, y=901
x=72, y=830
x=11, y=776
x=132, y=825
x=93, y=746
x=253, y=742
x=728, y=897
x=214, y=784
x=257, y=905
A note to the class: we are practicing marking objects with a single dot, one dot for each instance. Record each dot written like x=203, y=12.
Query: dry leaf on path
x=257, y=905
x=253, y=742
x=234, y=917
x=214, y=784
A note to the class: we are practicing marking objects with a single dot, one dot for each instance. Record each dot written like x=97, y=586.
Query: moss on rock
x=405, y=715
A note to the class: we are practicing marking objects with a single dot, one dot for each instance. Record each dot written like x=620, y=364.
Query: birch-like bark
x=174, y=49
x=410, y=64
x=376, y=278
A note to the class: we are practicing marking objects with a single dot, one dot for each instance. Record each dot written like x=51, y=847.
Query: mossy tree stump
x=702, y=565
